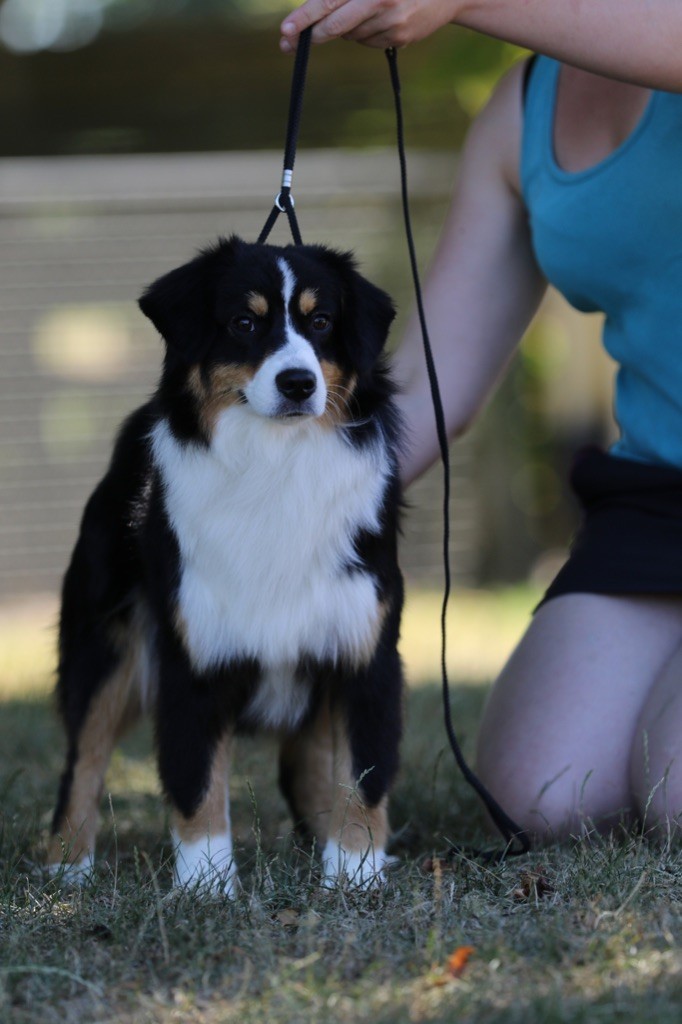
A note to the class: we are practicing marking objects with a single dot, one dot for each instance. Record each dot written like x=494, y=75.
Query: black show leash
x=517, y=841
x=284, y=201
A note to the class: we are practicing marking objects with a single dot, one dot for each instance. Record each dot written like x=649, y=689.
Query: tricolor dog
x=236, y=567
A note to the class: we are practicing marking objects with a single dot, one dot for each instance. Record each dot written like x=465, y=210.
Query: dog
x=236, y=568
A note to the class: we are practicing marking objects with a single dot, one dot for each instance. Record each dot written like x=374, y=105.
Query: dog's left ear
x=369, y=317
x=181, y=304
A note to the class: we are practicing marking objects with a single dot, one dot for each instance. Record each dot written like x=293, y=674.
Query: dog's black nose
x=296, y=384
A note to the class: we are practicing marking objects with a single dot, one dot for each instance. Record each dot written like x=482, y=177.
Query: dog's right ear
x=181, y=304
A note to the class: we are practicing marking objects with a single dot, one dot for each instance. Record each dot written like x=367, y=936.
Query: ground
x=587, y=931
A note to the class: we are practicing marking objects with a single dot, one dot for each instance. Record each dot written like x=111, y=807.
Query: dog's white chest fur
x=265, y=520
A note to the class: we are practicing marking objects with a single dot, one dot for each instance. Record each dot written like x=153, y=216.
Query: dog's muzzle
x=289, y=383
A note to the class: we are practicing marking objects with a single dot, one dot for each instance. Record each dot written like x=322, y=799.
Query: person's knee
x=536, y=807
x=551, y=806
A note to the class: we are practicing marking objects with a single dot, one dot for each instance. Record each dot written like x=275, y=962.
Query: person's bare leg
x=656, y=765
x=557, y=731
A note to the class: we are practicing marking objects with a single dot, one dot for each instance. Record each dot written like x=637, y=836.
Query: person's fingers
x=332, y=19
x=377, y=32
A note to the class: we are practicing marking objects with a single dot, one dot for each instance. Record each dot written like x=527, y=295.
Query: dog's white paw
x=207, y=865
x=73, y=873
x=361, y=869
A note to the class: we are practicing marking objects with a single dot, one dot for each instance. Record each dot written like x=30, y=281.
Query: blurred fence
x=79, y=238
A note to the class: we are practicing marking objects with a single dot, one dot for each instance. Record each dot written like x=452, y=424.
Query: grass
x=586, y=932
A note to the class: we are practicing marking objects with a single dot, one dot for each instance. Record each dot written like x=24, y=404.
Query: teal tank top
x=609, y=238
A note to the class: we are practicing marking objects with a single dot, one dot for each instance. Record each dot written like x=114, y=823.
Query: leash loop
x=518, y=841
x=280, y=204
x=284, y=201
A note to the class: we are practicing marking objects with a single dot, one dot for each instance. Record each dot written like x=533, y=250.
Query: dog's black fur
x=125, y=640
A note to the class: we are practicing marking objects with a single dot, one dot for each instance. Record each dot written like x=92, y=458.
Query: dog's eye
x=243, y=324
x=320, y=322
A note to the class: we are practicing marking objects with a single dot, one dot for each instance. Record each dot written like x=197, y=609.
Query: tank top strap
x=538, y=116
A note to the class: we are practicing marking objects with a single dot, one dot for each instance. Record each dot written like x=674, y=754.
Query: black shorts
x=630, y=539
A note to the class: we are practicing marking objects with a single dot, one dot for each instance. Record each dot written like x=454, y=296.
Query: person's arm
x=633, y=40
x=483, y=286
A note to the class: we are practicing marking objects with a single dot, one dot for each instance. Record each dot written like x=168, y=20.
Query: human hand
x=379, y=23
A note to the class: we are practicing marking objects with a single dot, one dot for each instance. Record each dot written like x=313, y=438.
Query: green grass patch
x=586, y=932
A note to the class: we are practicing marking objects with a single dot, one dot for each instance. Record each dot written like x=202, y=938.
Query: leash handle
x=512, y=833
x=284, y=201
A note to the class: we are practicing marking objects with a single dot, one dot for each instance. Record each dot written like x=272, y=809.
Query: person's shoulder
x=496, y=132
x=506, y=100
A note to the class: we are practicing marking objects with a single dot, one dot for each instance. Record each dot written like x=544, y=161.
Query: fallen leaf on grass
x=454, y=967
x=458, y=960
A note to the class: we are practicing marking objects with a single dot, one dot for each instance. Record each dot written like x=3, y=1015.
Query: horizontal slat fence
x=79, y=239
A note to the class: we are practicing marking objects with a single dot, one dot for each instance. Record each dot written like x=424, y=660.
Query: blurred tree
x=145, y=76
x=31, y=25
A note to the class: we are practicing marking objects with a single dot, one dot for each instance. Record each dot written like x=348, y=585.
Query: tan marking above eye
x=307, y=301
x=257, y=303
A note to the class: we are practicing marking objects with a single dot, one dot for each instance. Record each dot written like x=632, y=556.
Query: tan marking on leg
x=323, y=790
x=340, y=394
x=257, y=303
x=353, y=825
x=113, y=709
x=357, y=827
x=307, y=301
x=307, y=758
x=210, y=818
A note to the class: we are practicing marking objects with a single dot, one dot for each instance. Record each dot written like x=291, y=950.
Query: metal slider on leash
x=287, y=179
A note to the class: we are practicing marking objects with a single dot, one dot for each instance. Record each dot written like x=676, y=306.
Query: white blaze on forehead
x=295, y=354
x=288, y=282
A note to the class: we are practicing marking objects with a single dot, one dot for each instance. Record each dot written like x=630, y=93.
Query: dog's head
x=288, y=332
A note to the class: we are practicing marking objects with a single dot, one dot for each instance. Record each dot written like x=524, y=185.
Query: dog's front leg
x=203, y=838
x=366, y=727
x=194, y=753
x=355, y=851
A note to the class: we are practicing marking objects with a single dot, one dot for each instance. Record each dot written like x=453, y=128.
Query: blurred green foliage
x=208, y=75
